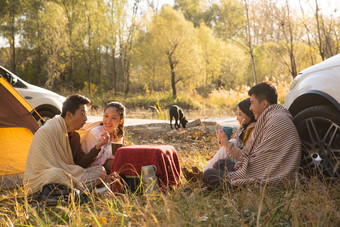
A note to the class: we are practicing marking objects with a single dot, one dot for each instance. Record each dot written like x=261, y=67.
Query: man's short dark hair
x=72, y=103
x=264, y=91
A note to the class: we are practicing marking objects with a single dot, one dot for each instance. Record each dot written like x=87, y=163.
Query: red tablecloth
x=129, y=161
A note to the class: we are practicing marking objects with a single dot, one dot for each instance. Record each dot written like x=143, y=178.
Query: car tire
x=319, y=131
x=45, y=114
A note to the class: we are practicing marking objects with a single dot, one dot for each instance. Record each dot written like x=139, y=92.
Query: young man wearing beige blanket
x=274, y=154
x=55, y=158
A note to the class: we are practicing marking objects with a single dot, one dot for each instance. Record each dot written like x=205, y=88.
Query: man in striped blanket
x=274, y=154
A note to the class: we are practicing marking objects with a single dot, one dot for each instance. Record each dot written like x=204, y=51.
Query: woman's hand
x=104, y=139
x=241, y=124
x=237, y=165
x=222, y=138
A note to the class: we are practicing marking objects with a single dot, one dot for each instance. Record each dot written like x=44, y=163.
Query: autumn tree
x=54, y=43
x=212, y=48
x=249, y=42
x=127, y=35
x=114, y=17
x=32, y=37
x=10, y=26
x=306, y=22
x=193, y=10
x=288, y=29
x=174, y=38
x=324, y=38
x=154, y=65
x=226, y=18
x=72, y=12
x=95, y=31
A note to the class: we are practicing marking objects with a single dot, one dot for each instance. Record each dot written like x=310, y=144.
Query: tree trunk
x=89, y=54
x=12, y=37
x=127, y=85
x=320, y=44
x=114, y=71
x=253, y=65
x=89, y=73
x=173, y=76
x=291, y=49
x=308, y=35
x=99, y=70
x=69, y=15
x=250, y=46
x=173, y=84
x=36, y=8
x=39, y=65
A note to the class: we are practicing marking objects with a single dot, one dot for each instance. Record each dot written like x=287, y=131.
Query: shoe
x=193, y=176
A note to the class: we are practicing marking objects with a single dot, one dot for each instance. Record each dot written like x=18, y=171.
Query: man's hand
x=104, y=139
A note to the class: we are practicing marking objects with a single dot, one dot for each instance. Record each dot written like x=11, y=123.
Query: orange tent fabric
x=17, y=126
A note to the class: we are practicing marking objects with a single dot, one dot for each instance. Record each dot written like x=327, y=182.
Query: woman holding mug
x=226, y=158
x=113, y=124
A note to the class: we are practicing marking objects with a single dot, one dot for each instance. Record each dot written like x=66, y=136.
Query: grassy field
x=310, y=202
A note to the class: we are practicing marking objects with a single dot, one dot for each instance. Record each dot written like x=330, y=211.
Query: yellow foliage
x=228, y=99
x=93, y=87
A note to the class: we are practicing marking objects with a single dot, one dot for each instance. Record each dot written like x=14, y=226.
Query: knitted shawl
x=50, y=158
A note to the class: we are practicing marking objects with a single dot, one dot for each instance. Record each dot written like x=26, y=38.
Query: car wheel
x=319, y=130
x=46, y=115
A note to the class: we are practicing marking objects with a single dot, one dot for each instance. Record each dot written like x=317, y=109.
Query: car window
x=13, y=81
x=5, y=75
x=19, y=84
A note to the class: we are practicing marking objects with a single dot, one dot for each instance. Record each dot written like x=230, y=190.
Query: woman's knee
x=212, y=177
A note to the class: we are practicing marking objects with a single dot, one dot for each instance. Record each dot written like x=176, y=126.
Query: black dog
x=177, y=113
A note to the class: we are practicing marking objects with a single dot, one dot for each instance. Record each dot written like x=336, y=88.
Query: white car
x=45, y=102
x=314, y=102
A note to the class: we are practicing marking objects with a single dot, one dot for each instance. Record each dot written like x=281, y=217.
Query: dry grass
x=313, y=203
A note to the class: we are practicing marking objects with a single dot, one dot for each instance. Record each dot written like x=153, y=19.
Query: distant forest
x=131, y=46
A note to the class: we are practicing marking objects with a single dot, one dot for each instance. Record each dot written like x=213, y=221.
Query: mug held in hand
x=228, y=130
x=115, y=147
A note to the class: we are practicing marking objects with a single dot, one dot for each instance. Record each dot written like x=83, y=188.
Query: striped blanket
x=274, y=153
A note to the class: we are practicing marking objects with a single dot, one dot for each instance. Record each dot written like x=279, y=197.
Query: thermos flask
x=149, y=179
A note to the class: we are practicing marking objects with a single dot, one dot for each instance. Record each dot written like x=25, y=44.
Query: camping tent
x=17, y=126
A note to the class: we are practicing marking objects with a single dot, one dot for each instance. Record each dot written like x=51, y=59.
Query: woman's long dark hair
x=121, y=110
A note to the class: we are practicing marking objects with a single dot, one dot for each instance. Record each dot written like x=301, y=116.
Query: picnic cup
x=115, y=147
x=228, y=130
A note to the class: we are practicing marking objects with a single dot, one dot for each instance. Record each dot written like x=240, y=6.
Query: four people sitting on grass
x=266, y=151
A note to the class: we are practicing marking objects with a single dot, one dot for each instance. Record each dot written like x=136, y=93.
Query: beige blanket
x=50, y=158
x=274, y=153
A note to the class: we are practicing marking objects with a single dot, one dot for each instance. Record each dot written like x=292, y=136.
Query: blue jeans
x=216, y=176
